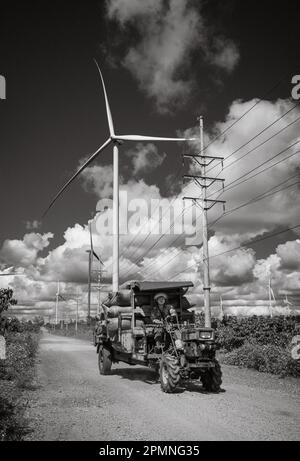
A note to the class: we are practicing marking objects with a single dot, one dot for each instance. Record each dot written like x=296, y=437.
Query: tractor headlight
x=206, y=335
x=179, y=344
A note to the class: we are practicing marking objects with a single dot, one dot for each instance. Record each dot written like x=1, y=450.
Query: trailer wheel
x=169, y=374
x=104, y=361
x=212, y=378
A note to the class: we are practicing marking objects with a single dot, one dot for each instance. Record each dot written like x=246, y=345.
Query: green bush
x=233, y=332
x=19, y=365
x=264, y=358
x=16, y=374
x=13, y=426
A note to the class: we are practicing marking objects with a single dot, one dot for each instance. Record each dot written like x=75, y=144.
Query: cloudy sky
x=165, y=62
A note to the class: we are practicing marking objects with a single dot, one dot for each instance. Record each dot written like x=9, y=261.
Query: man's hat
x=160, y=295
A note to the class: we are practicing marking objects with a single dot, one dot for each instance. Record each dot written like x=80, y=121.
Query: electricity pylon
x=205, y=182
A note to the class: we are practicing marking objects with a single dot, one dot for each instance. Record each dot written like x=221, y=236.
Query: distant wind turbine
x=58, y=297
x=116, y=140
x=288, y=305
x=271, y=292
x=287, y=302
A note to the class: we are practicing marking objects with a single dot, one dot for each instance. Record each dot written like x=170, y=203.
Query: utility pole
x=206, y=286
x=56, y=303
x=89, y=283
x=99, y=272
x=77, y=306
x=204, y=182
x=221, y=308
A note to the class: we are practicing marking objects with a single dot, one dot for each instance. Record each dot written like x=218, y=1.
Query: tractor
x=176, y=346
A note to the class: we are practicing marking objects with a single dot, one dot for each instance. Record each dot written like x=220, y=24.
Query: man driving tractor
x=161, y=309
x=161, y=312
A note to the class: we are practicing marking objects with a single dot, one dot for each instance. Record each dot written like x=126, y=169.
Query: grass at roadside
x=16, y=376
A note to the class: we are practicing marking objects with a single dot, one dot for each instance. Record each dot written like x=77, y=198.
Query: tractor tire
x=169, y=373
x=211, y=379
x=104, y=361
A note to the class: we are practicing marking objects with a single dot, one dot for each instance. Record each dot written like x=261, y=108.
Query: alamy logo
x=156, y=217
x=296, y=87
x=2, y=87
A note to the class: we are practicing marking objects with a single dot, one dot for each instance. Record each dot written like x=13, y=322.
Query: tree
x=6, y=299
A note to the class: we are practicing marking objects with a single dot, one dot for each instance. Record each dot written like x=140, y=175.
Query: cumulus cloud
x=99, y=180
x=145, y=158
x=289, y=255
x=241, y=157
x=23, y=253
x=231, y=269
x=168, y=34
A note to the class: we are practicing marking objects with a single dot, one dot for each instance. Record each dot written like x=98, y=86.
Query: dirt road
x=73, y=402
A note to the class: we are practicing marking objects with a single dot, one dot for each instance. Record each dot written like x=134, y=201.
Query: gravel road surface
x=73, y=402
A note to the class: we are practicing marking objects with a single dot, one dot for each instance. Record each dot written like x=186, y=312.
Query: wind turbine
x=270, y=290
x=116, y=140
x=288, y=304
x=58, y=297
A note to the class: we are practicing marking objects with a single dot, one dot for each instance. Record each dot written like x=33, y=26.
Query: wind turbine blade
x=273, y=295
x=108, y=111
x=92, y=246
x=138, y=138
x=91, y=237
x=85, y=165
x=96, y=256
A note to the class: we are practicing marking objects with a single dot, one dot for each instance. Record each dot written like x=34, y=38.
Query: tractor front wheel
x=169, y=374
x=104, y=361
x=212, y=378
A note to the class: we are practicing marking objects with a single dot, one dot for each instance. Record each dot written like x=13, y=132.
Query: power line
x=259, y=134
x=262, y=239
x=240, y=247
x=160, y=238
x=226, y=188
x=231, y=186
x=150, y=233
x=153, y=262
x=134, y=238
x=260, y=197
x=252, y=201
x=261, y=144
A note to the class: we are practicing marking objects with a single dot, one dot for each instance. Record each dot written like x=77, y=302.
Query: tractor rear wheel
x=212, y=378
x=169, y=374
x=104, y=360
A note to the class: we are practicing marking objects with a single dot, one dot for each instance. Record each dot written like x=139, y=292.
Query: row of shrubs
x=17, y=375
x=233, y=332
x=259, y=343
x=267, y=359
